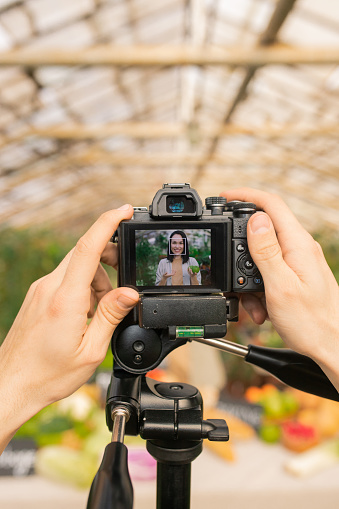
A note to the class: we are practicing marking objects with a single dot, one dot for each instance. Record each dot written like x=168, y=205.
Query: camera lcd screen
x=173, y=257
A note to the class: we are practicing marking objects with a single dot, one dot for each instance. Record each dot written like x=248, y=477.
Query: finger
x=255, y=308
x=289, y=230
x=266, y=252
x=113, y=307
x=93, y=300
x=110, y=255
x=100, y=286
x=101, y=283
x=86, y=255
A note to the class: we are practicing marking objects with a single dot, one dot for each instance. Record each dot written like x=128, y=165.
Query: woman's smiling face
x=177, y=244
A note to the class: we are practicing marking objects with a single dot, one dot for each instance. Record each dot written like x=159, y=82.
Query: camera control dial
x=246, y=265
x=216, y=204
x=241, y=208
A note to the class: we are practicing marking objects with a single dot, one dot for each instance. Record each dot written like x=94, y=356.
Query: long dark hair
x=185, y=256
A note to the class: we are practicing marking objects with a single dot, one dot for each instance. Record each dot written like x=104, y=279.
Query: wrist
x=16, y=407
x=326, y=354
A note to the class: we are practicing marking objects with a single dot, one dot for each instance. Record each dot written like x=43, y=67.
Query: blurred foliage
x=148, y=258
x=25, y=255
x=330, y=245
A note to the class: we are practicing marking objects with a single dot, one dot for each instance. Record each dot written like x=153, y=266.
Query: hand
x=194, y=277
x=50, y=350
x=165, y=277
x=302, y=296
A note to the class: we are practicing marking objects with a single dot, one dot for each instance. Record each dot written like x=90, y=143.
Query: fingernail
x=124, y=207
x=125, y=302
x=260, y=223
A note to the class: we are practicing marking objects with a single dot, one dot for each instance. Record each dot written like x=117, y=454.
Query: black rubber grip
x=293, y=369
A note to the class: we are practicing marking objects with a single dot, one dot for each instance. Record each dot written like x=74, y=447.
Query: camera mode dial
x=216, y=204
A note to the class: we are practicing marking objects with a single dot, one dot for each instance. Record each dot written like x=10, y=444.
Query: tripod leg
x=174, y=459
x=173, y=486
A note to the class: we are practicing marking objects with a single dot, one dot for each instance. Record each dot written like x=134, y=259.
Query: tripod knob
x=215, y=430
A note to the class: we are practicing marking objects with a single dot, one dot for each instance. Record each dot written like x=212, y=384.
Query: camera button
x=241, y=248
x=137, y=359
x=138, y=346
x=241, y=280
x=249, y=264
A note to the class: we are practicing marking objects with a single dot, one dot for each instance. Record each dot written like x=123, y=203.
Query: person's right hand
x=165, y=276
x=302, y=295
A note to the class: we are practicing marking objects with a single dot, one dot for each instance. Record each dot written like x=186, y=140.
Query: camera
x=211, y=242
x=188, y=262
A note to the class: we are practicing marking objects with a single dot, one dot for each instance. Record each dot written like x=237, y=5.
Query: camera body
x=214, y=251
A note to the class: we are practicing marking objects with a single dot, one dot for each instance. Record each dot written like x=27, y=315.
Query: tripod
x=169, y=416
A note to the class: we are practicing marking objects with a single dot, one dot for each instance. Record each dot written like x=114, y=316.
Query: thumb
x=112, y=308
x=264, y=248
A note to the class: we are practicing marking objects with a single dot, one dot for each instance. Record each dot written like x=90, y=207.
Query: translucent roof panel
x=79, y=135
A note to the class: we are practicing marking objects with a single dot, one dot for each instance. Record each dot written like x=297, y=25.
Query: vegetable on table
x=315, y=460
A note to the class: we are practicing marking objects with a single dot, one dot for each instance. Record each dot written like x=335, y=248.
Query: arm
x=302, y=295
x=50, y=350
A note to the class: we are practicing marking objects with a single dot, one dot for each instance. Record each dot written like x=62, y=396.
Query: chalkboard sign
x=18, y=458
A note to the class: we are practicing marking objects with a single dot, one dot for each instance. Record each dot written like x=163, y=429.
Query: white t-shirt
x=165, y=266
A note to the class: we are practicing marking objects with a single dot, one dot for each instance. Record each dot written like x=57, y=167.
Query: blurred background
x=102, y=101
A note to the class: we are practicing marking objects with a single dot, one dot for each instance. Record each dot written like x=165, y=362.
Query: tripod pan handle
x=112, y=487
x=293, y=369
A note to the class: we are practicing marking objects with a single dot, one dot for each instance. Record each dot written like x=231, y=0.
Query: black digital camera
x=179, y=246
x=187, y=261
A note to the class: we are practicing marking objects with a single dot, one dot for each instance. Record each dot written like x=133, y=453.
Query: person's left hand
x=50, y=350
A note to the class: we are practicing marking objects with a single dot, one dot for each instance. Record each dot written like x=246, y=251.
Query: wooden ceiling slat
x=171, y=56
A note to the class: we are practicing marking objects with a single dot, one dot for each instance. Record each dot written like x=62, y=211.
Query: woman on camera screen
x=178, y=268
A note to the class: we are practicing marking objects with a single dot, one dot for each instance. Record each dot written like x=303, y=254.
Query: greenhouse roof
x=102, y=101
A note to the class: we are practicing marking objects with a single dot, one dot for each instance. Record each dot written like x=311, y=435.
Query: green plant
x=25, y=255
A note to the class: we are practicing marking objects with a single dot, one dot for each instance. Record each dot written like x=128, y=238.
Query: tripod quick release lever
x=290, y=367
